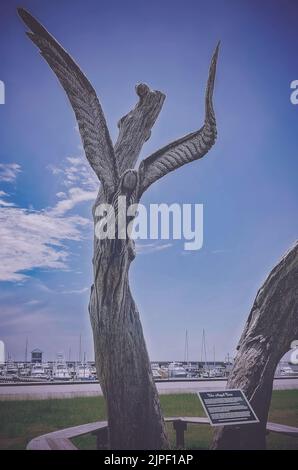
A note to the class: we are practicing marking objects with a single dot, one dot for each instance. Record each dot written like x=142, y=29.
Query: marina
x=69, y=371
x=39, y=370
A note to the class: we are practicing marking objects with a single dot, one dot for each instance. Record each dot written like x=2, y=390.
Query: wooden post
x=180, y=427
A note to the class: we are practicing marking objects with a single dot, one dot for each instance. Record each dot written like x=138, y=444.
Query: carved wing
x=186, y=149
x=82, y=96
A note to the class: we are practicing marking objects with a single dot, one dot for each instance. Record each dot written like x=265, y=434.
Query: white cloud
x=152, y=247
x=76, y=171
x=76, y=291
x=33, y=302
x=36, y=239
x=75, y=195
x=81, y=183
x=77, y=161
x=61, y=195
x=9, y=172
x=4, y=203
x=10, y=318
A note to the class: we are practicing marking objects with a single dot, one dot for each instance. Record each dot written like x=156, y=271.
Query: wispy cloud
x=11, y=314
x=76, y=291
x=4, y=203
x=36, y=239
x=9, y=172
x=74, y=196
x=33, y=303
x=75, y=171
x=80, y=182
x=144, y=248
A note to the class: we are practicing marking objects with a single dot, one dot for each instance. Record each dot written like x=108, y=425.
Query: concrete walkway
x=69, y=390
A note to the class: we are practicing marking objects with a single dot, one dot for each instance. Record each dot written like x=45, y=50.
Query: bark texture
x=122, y=362
x=123, y=366
x=271, y=327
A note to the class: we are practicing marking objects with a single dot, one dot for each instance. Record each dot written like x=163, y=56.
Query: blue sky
x=247, y=183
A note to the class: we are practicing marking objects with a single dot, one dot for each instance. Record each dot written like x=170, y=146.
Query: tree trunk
x=122, y=362
x=271, y=327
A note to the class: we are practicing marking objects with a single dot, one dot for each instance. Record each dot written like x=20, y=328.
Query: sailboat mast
x=203, y=351
x=80, y=349
x=186, y=347
x=26, y=351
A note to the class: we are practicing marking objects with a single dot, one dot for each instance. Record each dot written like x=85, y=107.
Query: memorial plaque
x=227, y=407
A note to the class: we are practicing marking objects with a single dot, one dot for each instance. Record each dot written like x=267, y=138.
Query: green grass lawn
x=21, y=421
